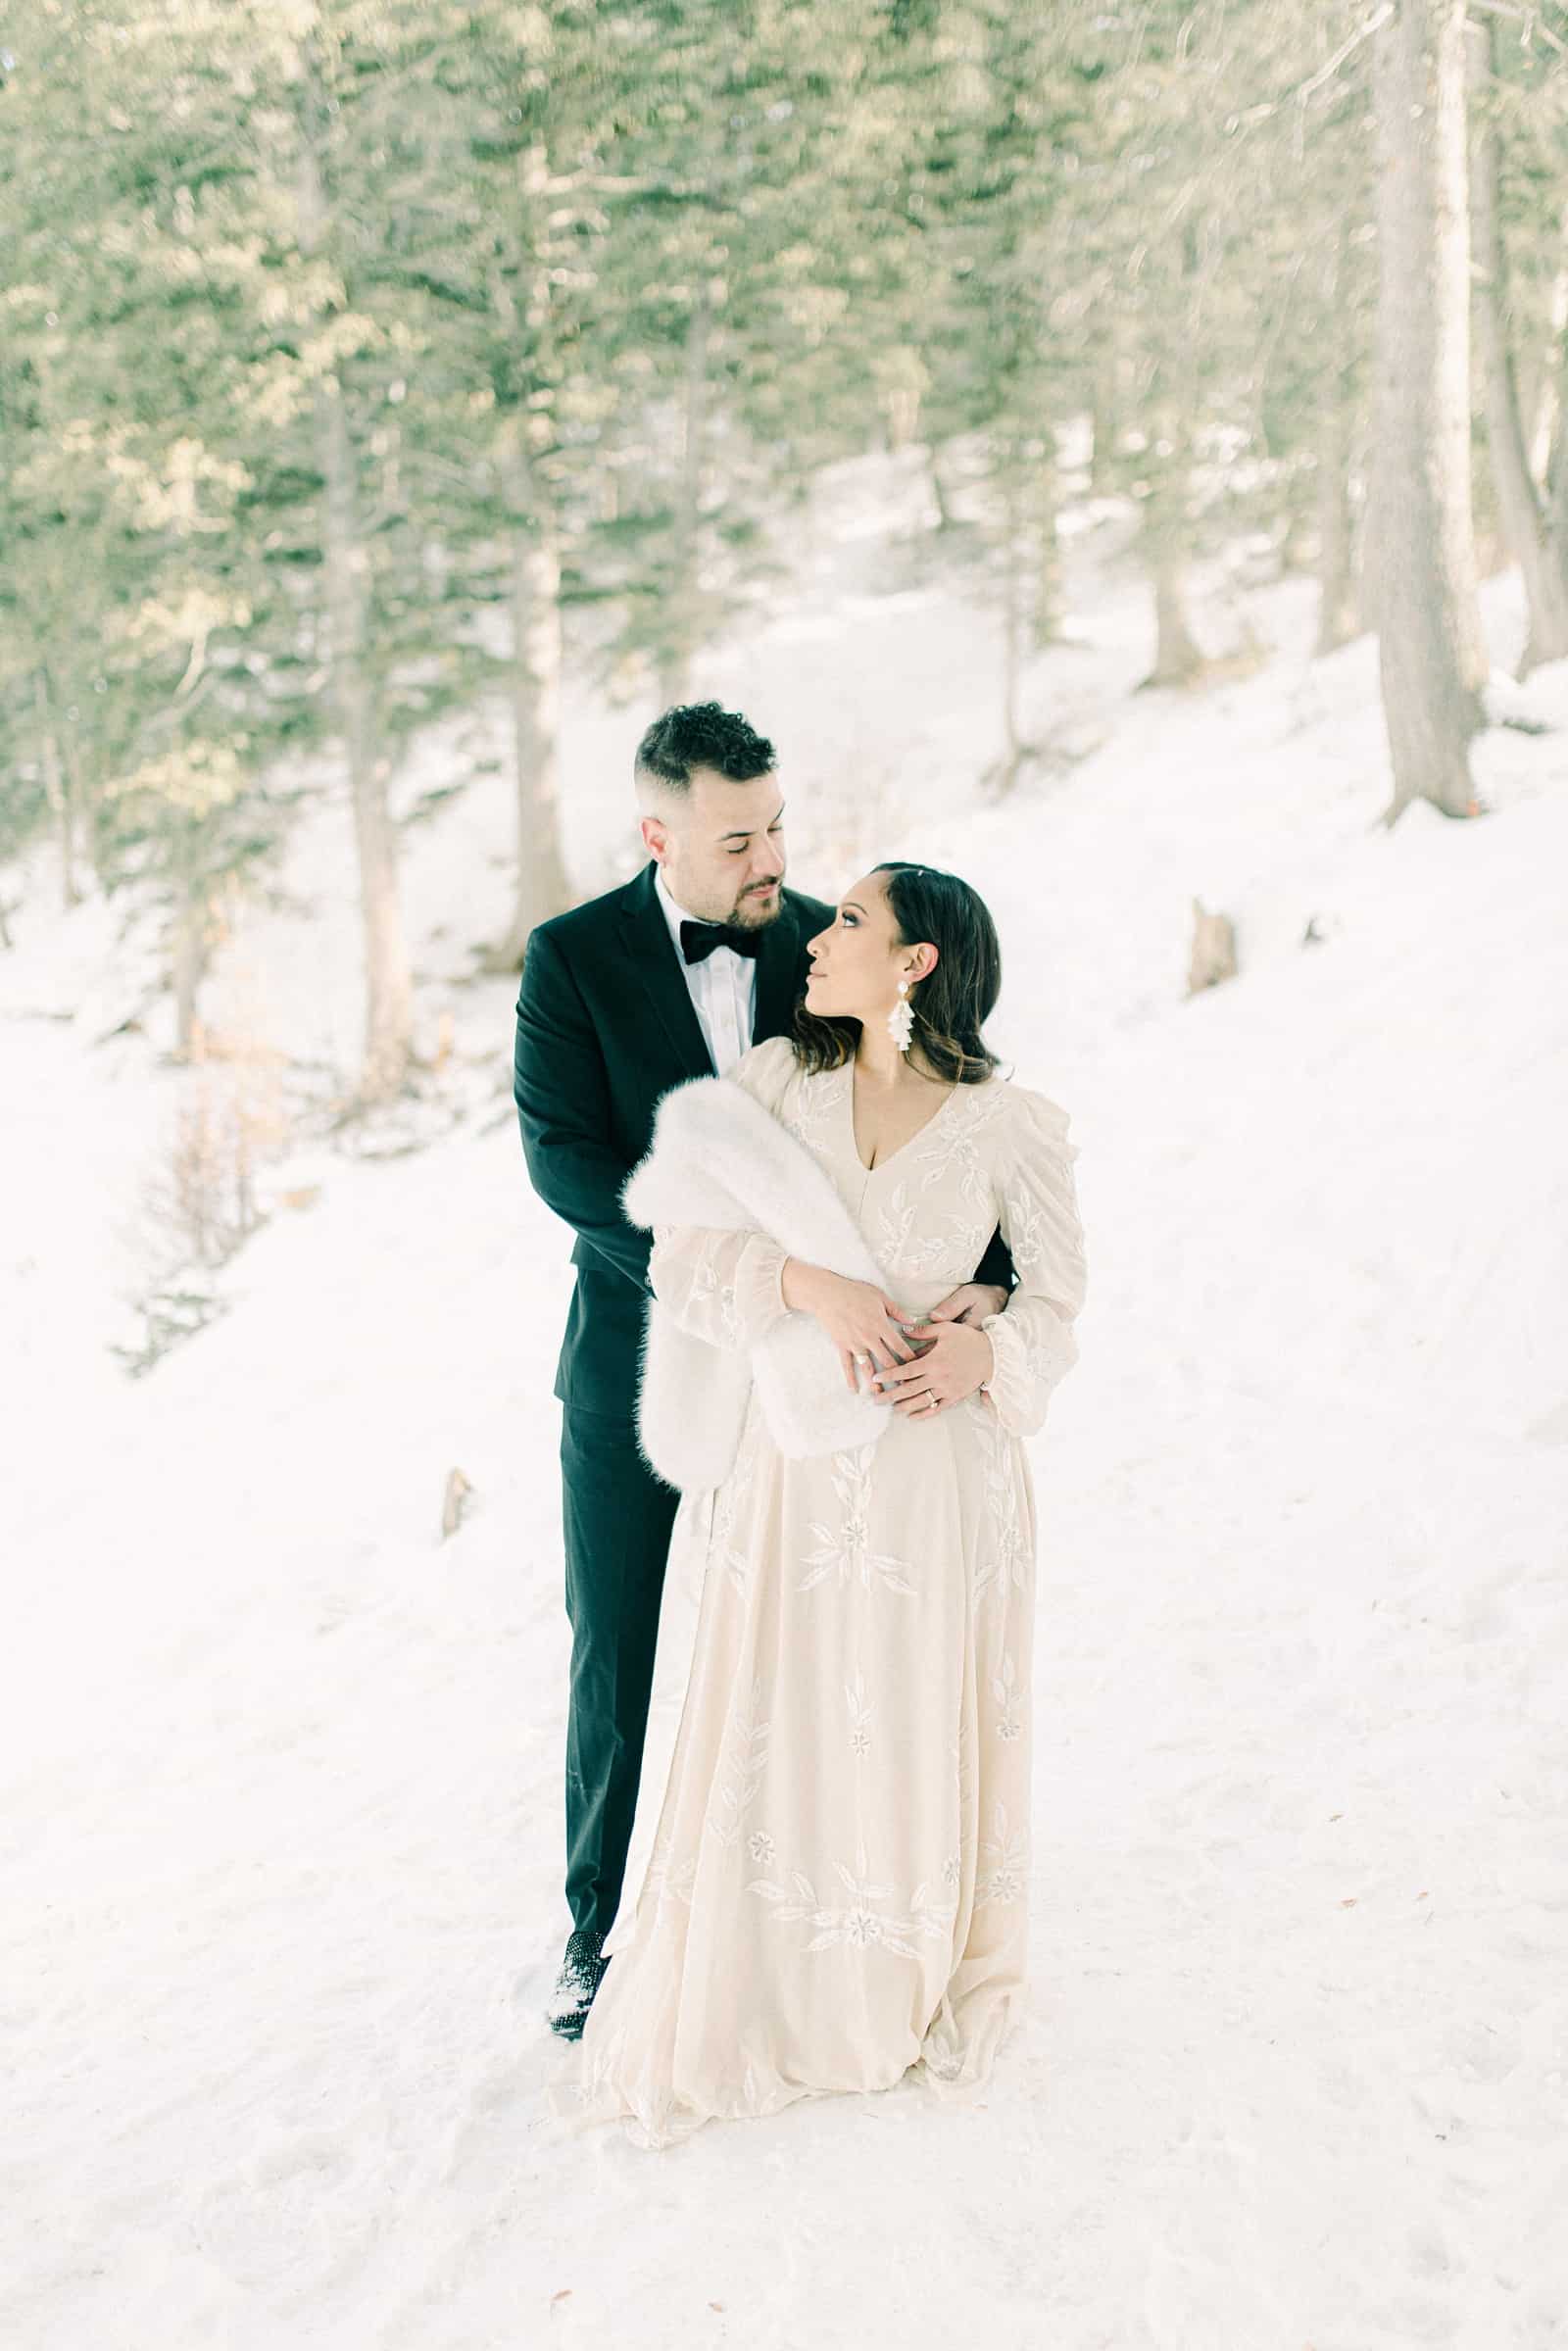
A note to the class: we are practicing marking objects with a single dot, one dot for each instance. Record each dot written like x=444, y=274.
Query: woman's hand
x=862, y=1324
x=958, y=1360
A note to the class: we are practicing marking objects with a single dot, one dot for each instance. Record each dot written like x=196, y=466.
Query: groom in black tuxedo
x=673, y=976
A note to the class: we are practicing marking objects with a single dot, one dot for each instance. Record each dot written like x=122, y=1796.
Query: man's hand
x=970, y=1304
x=953, y=1366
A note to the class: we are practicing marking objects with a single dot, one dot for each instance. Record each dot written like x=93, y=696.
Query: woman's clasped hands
x=862, y=1322
x=877, y=1342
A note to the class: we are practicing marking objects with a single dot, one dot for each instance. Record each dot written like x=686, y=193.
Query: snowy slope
x=282, y=1822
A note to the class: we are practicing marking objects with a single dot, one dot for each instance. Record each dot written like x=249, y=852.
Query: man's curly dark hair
x=701, y=734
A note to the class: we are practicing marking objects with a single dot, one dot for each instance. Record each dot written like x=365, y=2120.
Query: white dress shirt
x=723, y=989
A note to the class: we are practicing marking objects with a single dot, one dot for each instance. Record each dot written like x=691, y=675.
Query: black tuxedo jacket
x=606, y=1026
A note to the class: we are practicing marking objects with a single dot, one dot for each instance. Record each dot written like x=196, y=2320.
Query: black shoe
x=582, y=1971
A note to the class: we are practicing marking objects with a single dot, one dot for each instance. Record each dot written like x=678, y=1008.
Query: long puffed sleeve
x=1037, y=1207
x=724, y=1287
x=727, y=1288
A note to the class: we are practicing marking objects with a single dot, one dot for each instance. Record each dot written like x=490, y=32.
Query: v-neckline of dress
x=937, y=1114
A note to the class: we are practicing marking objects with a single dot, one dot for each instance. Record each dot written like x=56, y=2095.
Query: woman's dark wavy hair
x=952, y=1006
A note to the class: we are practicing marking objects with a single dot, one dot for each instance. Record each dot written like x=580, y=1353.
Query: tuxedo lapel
x=652, y=954
x=777, y=968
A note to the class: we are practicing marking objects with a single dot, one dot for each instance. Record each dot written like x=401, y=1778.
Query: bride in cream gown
x=838, y=1881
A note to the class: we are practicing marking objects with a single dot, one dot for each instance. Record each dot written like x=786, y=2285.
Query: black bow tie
x=698, y=940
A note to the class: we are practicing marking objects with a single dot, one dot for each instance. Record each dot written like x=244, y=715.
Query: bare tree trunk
x=536, y=625
x=1339, y=617
x=542, y=886
x=1524, y=524
x=1102, y=419
x=1542, y=397
x=939, y=488
x=681, y=618
x=188, y=960
x=389, y=987
x=1554, y=429
x=82, y=799
x=58, y=791
x=1556, y=500
x=1177, y=658
x=1531, y=376
x=1044, y=620
x=1300, y=536
x=901, y=408
x=1429, y=630
x=1012, y=630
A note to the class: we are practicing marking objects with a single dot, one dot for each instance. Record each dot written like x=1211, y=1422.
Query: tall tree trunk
x=1542, y=397
x=903, y=381
x=536, y=638
x=1103, y=417
x=1178, y=660
x=681, y=623
x=389, y=986
x=83, y=798
x=1556, y=496
x=939, y=488
x=1300, y=522
x=57, y=789
x=1012, y=625
x=1339, y=617
x=1428, y=629
x=1524, y=524
x=1044, y=622
x=189, y=955
x=535, y=589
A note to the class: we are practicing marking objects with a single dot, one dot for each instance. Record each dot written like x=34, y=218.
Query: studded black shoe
x=581, y=1972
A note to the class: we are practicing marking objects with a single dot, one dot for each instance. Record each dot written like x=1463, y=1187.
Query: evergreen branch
x=416, y=280
x=1529, y=17
x=1325, y=72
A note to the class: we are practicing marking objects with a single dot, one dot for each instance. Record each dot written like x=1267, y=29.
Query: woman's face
x=857, y=962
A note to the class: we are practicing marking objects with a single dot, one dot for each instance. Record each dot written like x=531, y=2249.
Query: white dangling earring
x=901, y=1021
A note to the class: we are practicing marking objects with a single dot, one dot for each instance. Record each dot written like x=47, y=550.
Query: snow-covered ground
x=282, y=1839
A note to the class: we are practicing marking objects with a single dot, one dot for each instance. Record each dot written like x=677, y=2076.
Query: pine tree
x=1428, y=629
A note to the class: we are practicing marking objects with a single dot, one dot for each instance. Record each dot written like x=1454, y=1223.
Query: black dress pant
x=618, y=1518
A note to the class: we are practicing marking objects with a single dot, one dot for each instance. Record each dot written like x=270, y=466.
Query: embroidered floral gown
x=838, y=1883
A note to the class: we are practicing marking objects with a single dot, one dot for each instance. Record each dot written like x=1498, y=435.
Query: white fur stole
x=718, y=1159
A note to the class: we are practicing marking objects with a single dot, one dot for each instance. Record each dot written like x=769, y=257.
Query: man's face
x=721, y=848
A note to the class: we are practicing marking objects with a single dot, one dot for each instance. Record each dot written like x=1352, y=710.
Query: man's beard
x=754, y=911
x=745, y=912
